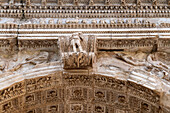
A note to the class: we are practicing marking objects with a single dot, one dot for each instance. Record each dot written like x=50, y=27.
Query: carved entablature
x=164, y=43
x=91, y=9
x=77, y=23
x=78, y=51
x=9, y=26
x=38, y=43
x=126, y=44
x=160, y=43
x=8, y=44
x=72, y=2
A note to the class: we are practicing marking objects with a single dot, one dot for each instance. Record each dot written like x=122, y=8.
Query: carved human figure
x=112, y=22
x=28, y=2
x=119, y=21
x=2, y=65
x=76, y=2
x=44, y=2
x=123, y=2
x=107, y=2
x=75, y=21
x=131, y=60
x=41, y=57
x=138, y=2
x=84, y=21
x=153, y=60
x=59, y=2
x=128, y=21
x=75, y=54
x=94, y=21
x=51, y=21
x=42, y=21
x=11, y=2
x=102, y=22
x=75, y=42
x=91, y=2
x=59, y=21
x=154, y=2
x=137, y=21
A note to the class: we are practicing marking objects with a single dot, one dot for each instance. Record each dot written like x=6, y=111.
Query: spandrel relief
x=138, y=64
x=25, y=60
x=84, y=56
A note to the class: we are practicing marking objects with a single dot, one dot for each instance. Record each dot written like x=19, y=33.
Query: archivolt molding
x=84, y=56
x=78, y=93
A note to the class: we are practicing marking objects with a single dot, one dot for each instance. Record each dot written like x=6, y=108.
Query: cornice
x=129, y=11
x=145, y=31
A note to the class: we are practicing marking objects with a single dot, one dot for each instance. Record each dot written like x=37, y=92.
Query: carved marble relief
x=85, y=92
x=81, y=99
x=79, y=23
x=150, y=64
x=84, y=56
x=14, y=90
x=77, y=51
x=31, y=59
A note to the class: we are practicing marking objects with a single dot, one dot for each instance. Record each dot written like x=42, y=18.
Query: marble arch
x=65, y=92
x=84, y=56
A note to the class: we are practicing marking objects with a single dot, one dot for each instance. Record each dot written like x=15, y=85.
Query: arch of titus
x=84, y=56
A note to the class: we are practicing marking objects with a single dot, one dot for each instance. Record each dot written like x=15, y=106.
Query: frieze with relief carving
x=123, y=44
x=84, y=24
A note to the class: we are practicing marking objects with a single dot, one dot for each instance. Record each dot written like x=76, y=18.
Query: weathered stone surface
x=84, y=56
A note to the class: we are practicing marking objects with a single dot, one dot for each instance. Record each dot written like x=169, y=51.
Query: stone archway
x=83, y=93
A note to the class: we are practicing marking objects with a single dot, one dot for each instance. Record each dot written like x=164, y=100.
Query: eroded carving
x=91, y=81
x=77, y=51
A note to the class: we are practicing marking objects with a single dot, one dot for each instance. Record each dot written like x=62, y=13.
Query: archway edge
x=94, y=89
